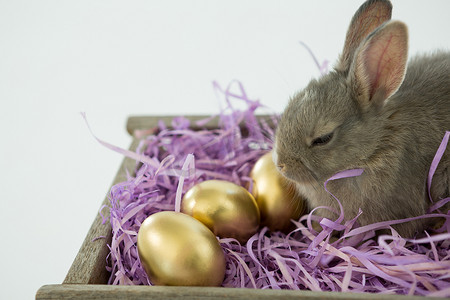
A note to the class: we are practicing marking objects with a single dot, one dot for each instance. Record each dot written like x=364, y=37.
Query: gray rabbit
x=375, y=113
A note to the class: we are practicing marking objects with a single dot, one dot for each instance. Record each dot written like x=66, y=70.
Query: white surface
x=113, y=59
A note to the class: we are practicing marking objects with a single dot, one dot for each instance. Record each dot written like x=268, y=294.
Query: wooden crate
x=87, y=277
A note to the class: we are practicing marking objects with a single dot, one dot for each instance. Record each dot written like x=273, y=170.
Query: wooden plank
x=90, y=262
x=87, y=276
x=139, y=123
x=148, y=122
x=105, y=292
x=89, y=266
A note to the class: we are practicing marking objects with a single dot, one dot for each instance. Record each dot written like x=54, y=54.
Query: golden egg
x=277, y=198
x=228, y=209
x=176, y=249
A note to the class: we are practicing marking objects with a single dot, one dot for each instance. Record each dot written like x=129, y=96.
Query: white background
x=113, y=59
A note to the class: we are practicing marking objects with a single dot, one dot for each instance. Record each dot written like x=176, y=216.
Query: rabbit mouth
x=301, y=175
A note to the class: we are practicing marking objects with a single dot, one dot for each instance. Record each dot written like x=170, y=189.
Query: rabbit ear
x=367, y=18
x=379, y=65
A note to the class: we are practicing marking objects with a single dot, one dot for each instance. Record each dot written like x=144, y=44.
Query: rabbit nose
x=281, y=167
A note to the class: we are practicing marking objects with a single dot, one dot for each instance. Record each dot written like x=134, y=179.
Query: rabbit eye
x=323, y=140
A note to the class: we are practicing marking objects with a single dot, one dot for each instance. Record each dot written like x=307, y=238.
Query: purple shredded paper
x=174, y=159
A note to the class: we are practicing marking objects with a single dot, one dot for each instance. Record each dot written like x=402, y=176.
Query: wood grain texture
x=90, y=262
x=89, y=266
x=142, y=123
x=105, y=292
x=146, y=122
x=87, y=276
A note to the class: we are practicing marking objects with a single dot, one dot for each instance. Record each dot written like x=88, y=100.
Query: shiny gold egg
x=228, y=209
x=276, y=196
x=176, y=249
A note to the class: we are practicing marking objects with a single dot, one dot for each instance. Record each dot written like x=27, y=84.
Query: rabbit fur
x=375, y=112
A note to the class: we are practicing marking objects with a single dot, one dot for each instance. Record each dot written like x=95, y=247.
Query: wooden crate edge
x=89, y=266
x=108, y=292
